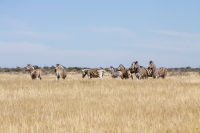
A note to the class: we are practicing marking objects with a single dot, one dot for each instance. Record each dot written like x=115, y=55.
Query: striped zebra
x=132, y=70
x=35, y=73
x=121, y=67
x=115, y=74
x=114, y=69
x=126, y=72
x=149, y=72
x=157, y=72
x=93, y=73
x=60, y=72
x=140, y=71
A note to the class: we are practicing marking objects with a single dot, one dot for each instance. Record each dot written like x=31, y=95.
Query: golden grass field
x=110, y=105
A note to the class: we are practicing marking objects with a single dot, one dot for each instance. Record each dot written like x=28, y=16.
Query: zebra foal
x=115, y=74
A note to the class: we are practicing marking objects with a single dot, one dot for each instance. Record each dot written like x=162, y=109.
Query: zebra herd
x=121, y=72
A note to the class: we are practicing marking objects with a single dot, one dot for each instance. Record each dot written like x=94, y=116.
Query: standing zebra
x=115, y=74
x=126, y=72
x=157, y=72
x=132, y=69
x=140, y=72
x=60, y=72
x=93, y=73
x=35, y=73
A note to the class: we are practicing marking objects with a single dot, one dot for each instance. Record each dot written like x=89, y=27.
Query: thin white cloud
x=52, y=35
x=17, y=24
x=21, y=53
x=121, y=31
x=180, y=34
x=179, y=46
x=13, y=22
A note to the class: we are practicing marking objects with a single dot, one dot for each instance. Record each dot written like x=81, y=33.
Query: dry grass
x=111, y=105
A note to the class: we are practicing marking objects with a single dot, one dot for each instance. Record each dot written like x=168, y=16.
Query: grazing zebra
x=126, y=72
x=35, y=73
x=140, y=72
x=115, y=74
x=60, y=72
x=93, y=73
x=157, y=72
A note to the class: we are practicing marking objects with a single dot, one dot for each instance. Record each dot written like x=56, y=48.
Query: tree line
x=51, y=70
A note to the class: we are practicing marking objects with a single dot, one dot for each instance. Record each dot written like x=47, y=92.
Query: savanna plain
x=94, y=105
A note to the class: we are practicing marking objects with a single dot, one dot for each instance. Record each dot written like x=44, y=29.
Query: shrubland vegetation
x=50, y=70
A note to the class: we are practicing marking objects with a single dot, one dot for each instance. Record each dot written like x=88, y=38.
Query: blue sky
x=100, y=33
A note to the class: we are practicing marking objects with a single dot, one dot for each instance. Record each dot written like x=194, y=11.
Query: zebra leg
x=89, y=75
x=57, y=76
x=100, y=76
x=40, y=77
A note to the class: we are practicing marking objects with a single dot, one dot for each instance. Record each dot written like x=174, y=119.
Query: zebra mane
x=84, y=69
x=59, y=66
x=150, y=62
x=30, y=66
x=121, y=66
x=112, y=67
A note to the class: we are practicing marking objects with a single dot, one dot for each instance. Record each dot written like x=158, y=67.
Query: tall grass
x=110, y=105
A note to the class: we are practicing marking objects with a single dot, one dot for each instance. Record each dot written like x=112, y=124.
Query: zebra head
x=58, y=66
x=151, y=65
x=111, y=69
x=121, y=67
x=132, y=69
x=84, y=72
x=29, y=67
x=136, y=66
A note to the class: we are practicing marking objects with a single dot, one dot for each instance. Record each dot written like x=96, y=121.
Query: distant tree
x=52, y=67
x=188, y=67
x=36, y=67
x=7, y=70
x=17, y=69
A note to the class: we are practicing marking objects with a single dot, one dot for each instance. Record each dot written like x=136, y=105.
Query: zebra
x=126, y=72
x=149, y=72
x=93, y=73
x=157, y=72
x=60, y=72
x=114, y=69
x=115, y=74
x=35, y=73
x=132, y=70
x=140, y=71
